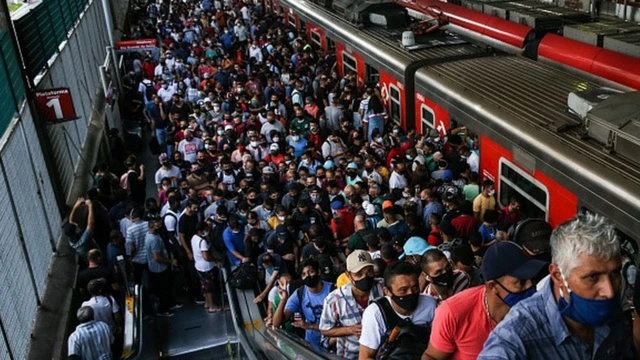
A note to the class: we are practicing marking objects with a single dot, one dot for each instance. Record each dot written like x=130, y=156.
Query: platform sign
x=55, y=105
x=137, y=45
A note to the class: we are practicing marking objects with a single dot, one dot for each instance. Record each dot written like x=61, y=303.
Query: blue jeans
x=161, y=136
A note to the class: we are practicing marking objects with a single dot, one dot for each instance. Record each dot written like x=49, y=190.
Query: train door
x=516, y=183
x=515, y=174
x=316, y=39
x=349, y=64
x=371, y=75
x=395, y=104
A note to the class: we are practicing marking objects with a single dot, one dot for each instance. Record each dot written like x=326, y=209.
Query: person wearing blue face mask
x=464, y=321
x=578, y=314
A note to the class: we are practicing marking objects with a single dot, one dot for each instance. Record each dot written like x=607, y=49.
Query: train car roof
x=525, y=104
x=380, y=46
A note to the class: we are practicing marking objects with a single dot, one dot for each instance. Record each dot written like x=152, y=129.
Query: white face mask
x=281, y=218
x=296, y=138
x=276, y=139
x=254, y=144
x=492, y=192
x=216, y=108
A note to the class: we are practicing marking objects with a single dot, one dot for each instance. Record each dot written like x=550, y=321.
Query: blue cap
x=415, y=246
x=328, y=165
x=352, y=165
x=507, y=258
x=447, y=175
x=336, y=205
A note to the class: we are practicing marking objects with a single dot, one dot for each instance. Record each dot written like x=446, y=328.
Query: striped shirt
x=461, y=281
x=534, y=329
x=91, y=341
x=136, y=234
x=342, y=310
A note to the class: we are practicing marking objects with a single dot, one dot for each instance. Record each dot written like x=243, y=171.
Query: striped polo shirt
x=136, y=234
x=91, y=340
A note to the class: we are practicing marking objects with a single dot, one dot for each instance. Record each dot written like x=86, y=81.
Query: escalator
x=239, y=333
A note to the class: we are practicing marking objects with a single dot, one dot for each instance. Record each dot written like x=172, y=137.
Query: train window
x=349, y=63
x=394, y=96
x=331, y=45
x=373, y=77
x=427, y=117
x=533, y=194
x=316, y=38
x=292, y=20
x=303, y=25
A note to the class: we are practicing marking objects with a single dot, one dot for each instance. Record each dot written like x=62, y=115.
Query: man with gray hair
x=92, y=339
x=578, y=314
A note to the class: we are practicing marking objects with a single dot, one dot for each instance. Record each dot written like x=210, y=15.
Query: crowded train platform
x=261, y=167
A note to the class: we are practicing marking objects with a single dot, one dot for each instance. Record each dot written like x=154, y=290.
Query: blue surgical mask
x=513, y=298
x=590, y=312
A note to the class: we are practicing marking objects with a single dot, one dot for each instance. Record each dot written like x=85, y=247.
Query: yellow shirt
x=482, y=204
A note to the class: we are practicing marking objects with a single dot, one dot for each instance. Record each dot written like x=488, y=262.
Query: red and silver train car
x=376, y=54
x=530, y=144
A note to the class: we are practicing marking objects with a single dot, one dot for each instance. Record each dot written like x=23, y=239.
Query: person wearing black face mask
x=444, y=282
x=306, y=303
x=342, y=313
x=403, y=307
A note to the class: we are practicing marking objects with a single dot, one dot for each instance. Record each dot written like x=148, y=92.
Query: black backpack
x=409, y=344
x=244, y=277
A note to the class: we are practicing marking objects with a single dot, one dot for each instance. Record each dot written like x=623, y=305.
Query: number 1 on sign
x=55, y=104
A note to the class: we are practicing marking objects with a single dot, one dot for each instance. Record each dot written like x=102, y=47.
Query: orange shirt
x=462, y=325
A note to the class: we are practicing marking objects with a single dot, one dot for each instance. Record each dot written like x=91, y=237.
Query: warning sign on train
x=55, y=105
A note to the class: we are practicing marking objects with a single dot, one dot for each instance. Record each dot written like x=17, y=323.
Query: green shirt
x=357, y=241
x=470, y=192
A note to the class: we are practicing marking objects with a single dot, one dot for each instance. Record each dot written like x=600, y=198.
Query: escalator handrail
x=240, y=332
x=273, y=338
x=133, y=324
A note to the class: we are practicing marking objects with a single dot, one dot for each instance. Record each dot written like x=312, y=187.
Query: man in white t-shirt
x=403, y=306
x=105, y=307
x=189, y=146
x=167, y=170
x=206, y=267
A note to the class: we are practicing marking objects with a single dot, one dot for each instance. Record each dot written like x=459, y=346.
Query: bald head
x=359, y=222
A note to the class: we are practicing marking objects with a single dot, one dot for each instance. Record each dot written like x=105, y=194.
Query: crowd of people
x=371, y=241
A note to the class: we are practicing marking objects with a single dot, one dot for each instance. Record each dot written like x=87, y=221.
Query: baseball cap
x=507, y=258
x=533, y=234
x=336, y=205
x=352, y=165
x=387, y=204
x=415, y=246
x=267, y=170
x=281, y=231
x=274, y=146
x=369, y=208
x=163, y=157
x=328, y=164
x=228, y=127
x=358, y=260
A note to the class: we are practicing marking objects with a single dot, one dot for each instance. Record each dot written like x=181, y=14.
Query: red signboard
x=136, y=45
x=55, y=105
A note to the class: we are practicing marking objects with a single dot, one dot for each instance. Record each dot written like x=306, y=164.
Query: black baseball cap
x=507, y=258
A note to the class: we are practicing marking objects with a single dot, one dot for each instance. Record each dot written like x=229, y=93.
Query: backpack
x=171, y=242
x=149, y=90
x=244, y=277
x=411, y=341
x=124, y=180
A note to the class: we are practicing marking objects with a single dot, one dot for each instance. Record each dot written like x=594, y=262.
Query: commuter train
x=530, y=144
